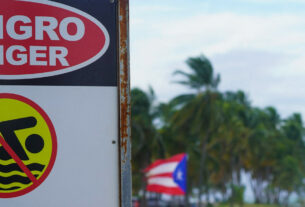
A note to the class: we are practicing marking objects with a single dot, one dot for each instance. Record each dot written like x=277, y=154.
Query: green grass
x=249, y=205
x=258, y=205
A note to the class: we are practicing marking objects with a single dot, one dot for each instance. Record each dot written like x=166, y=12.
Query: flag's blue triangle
x=180, y=174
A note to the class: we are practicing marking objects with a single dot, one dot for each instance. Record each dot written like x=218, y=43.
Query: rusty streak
x=124, y=75
x=125, y=108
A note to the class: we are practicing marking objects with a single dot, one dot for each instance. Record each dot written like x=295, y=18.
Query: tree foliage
x=225, y=138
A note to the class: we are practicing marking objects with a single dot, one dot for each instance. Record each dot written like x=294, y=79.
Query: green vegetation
x=224, y=136
x=251, y=205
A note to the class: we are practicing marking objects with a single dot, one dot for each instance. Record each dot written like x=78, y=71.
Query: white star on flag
x=180, y=175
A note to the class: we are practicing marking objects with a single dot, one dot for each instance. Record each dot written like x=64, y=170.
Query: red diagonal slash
x=23, y=167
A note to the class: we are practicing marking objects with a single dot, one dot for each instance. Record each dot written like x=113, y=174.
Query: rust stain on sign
x=125, y=109
x=124, y=76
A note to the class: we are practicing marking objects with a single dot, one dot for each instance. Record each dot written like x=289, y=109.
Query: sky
x=257, y=46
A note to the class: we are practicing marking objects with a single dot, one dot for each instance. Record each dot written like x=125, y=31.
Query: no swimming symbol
x=28, y=145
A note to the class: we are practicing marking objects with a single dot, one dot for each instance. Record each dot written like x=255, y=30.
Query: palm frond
x=182, y=99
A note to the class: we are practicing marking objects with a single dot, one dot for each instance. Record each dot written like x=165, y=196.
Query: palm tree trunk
x=158, y=199
x=201, y=169
x=143, y=200
x=188, y=187
x=186, y=198
x=207, y=194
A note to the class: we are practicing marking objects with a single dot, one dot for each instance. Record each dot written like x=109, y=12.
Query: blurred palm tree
x=146, y=142
x=196, y=116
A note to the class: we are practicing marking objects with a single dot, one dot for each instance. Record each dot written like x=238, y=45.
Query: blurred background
x=223, y=82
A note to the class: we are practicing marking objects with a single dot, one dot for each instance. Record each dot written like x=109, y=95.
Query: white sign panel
x=59, y=130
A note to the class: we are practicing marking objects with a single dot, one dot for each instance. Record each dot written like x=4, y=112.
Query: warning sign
x=28, y=145
x=64, y=63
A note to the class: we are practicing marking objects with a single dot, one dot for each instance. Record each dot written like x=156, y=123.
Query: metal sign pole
x=125, y=109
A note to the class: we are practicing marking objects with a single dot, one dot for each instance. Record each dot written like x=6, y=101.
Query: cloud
x=275, y=1
x=261, y=74
x=261, y=54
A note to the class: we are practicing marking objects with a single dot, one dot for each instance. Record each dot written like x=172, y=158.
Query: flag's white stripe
x=164, y=181
x=164, y=168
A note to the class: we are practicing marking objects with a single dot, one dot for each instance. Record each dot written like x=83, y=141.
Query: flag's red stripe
x=165, y=190
x=11, y=152
x=176, y=158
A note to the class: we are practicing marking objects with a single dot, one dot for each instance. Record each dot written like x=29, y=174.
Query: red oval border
x=73, y=68
x=54, y=144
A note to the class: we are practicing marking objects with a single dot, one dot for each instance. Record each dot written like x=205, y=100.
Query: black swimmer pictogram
x=28, y=145
x=34, y=143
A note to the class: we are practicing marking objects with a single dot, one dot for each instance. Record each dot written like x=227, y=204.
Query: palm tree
x=201, y=75
x=197, y=114
x=146, y=141
x=290, y=166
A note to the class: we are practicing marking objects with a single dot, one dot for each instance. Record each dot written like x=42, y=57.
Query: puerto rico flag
x=167, y=176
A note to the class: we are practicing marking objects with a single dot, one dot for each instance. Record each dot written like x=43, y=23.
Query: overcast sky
x=256, y=45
